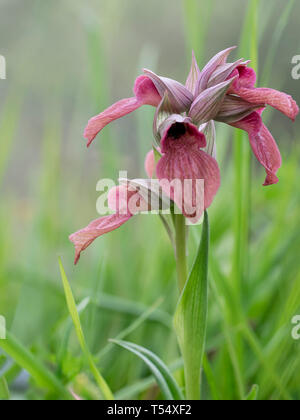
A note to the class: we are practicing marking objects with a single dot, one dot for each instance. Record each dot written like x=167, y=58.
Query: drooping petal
x=243, y=86
x=207, y=105
x=193, y=77
x=263, y=145
x=189, y=176
x=179, y=96
x=235, y=109
x=210, y=68
x=278, y=100
x=145, y=94
x=84, y=237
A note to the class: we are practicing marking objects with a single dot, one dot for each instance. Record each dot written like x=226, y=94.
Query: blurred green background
x=66, y=61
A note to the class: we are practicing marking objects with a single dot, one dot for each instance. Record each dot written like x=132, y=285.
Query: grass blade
x=197, y=15
x=132, y=327
x=4, y=391
x=253, y=394
x=77, y=324
x=279, y=29
x=161, y=372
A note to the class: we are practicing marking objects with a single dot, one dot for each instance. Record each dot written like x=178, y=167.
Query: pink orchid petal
x=179, y=96
x=84, y=237
x=278, y=100
x=263, y=145
x=222, y=72
x=211, y=67
x=246, y=78
x=145, y=94
x=180, y=133
x=193, y=77
x=234, y=109
x=182, y=161
x=150, y=164
x=125, y=201
x=207, y=105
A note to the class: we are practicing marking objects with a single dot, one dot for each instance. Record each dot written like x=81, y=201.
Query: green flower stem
x=181, y=254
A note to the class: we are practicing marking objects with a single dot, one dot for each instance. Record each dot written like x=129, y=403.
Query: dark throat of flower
x=177, y=130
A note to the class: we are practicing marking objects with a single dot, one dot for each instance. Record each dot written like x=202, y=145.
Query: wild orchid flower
x=185, y=134
x=222, y=92
x=184, y=174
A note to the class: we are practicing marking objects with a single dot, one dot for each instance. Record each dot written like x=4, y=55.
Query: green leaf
x=191, y=317
x=162, y=374
x=78, y=328
x=4, y=391
x=157, y=154
x=253, y=394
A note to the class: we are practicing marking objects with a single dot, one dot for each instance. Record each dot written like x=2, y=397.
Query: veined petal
x=189, y=176
x=114, y=112
x=235, y=109
x=246, y=78
x=162, y=113
x=223, y=72
x=211, y=66
x=179, y=96
x=145, y=94
x=84, y=237
x=207, y=105
x=263, y=145
x=193, y=77
x=209, y=130
x=278, y=100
